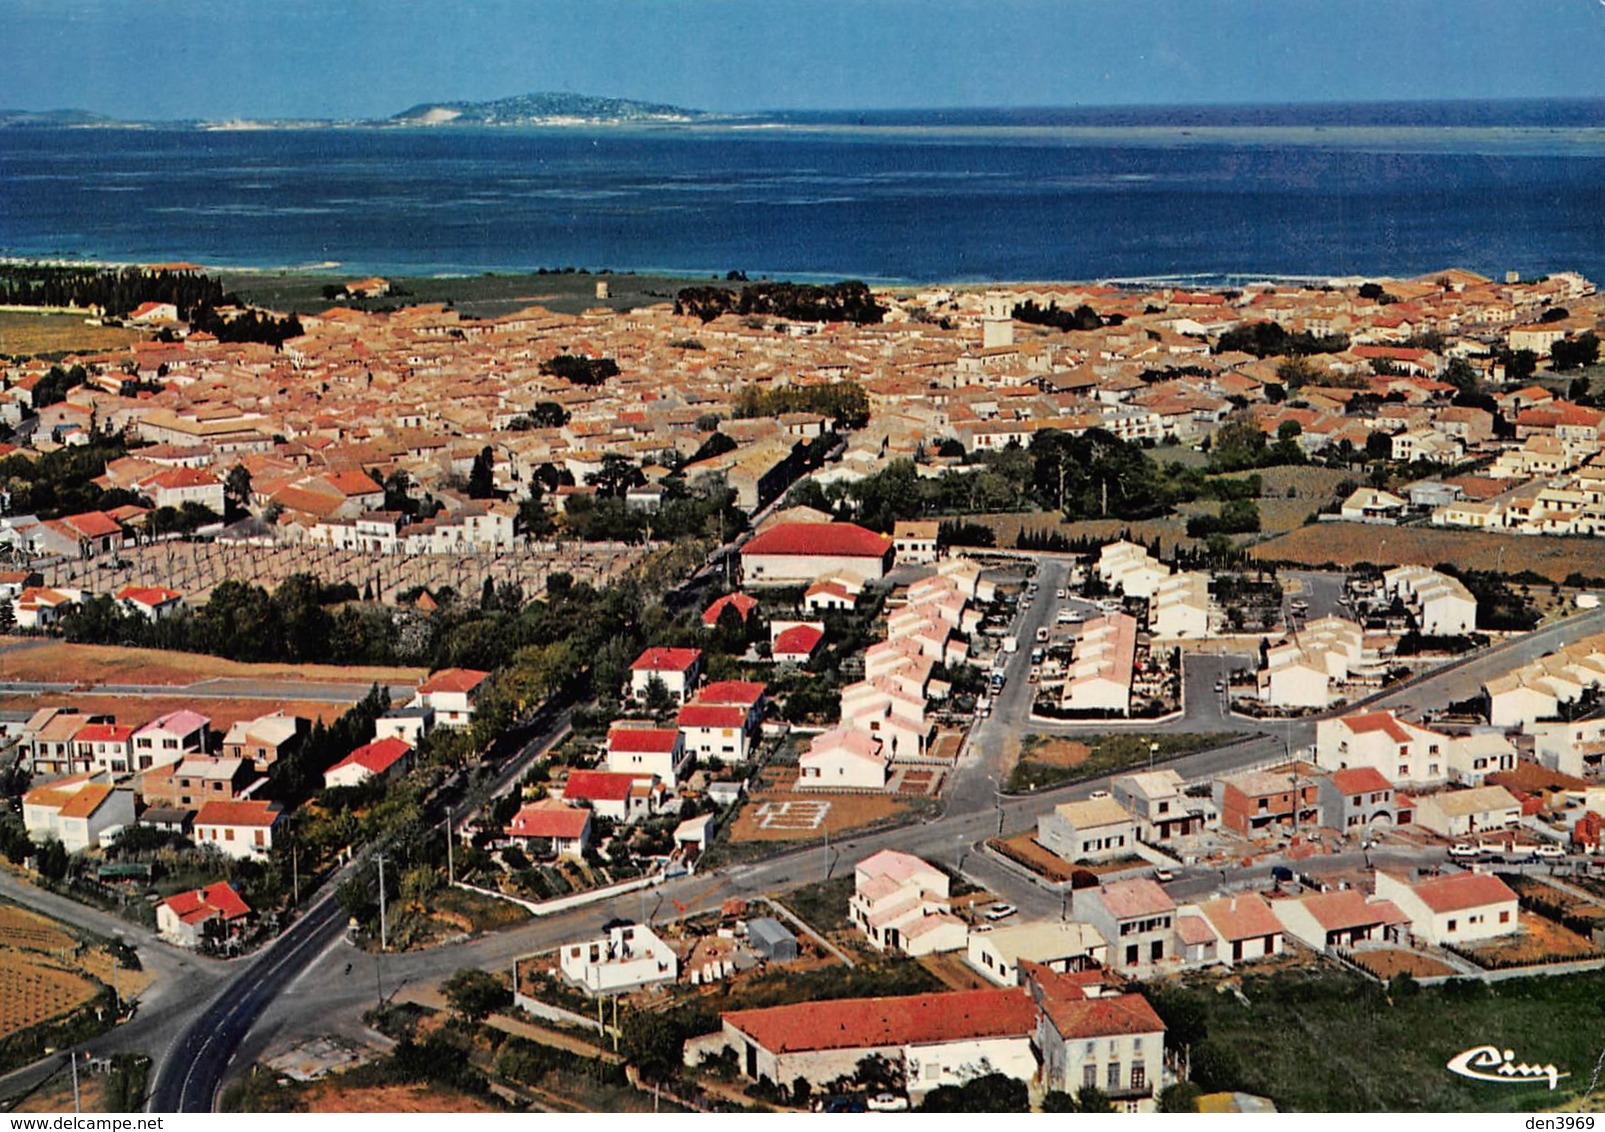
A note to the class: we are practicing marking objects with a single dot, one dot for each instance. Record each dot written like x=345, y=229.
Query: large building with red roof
x=451, y=694
x=789, y=554
x=383, y=759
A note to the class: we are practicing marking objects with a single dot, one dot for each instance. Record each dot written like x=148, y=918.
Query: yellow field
x=20, y=928
x=34, y=989
x=25, y=334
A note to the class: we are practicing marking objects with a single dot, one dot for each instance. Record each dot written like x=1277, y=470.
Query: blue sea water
x=913, y=196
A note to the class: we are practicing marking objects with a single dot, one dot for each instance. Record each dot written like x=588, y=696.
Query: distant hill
x=542, y=109
x=51, y=118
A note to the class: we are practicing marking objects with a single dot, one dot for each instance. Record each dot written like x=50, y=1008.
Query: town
x=803, y=697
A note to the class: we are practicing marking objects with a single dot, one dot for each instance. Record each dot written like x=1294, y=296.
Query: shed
x=771, y=940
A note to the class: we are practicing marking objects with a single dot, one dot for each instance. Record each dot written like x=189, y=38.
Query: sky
x=154, y=59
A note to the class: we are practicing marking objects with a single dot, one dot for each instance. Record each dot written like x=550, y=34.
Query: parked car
x=888, y=1102
x=1550, y=851
x=1463, y=850
x=1164, y=876
x=1099, y=794
x=1001, y=911
x=1060, y=594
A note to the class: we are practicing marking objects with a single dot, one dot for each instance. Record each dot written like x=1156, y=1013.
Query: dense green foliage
x=843, y=403
x=580, y=370
x=52, y=484
x=116, y=291
x=992, y=1092
x=847, y=301
x=1574, y=353
x=1271, y=340
x=1082, y=318
x=252, y=326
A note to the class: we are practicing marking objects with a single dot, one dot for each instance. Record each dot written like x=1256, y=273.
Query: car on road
x=1099, y=794
x=1060, y=594
x=1164, y=876
x=888, y=1102
x=1042, y=634
x=1001, y=911
x=1220, y=685
x=1463, y=850
x=1550, y=851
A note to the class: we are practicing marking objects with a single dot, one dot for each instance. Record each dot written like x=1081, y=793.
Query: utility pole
x=451, y=835
x=77, y=1105
x=295, y=874
x=384, y=930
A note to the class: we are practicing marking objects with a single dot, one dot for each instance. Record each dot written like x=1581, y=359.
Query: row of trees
x=117, y=291
x=847, y=301
x=844, y=403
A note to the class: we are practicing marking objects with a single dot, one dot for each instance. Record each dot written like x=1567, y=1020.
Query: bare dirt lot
x=1541, y=940
x=26, y=659
x=1385, y=963
x=142, y=709
x=1060, y=752
x=1025, y=849
x=779, y=813
x=1348, y=543
x=392, y=1098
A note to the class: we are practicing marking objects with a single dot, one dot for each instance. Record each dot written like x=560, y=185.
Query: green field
x=1109, y=754
x=1331, y=1041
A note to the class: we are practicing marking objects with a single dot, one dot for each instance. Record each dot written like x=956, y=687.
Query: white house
x=548, y=824
x=648, y=751
x=626, y=958
x=451, y=694
x=76, y=811
x=1456, y=813
x=1341, y=918
x=153, y=603
x=1402, y=752
x=901, y=904
x=1459, y=909
x=384, y=759
x=1115, y=1043
x=715, y=731
x=1443, y=607
x=676, y=669
x=1158, y=801
x=1244, y=926
x=1057, y=945
x=1097, y=829
x=242, y=829
x=1137, y=917
x=169, y=738
x=183, y=918
x=843, y=759
x=914, y=541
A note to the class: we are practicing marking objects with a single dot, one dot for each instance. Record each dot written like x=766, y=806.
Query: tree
x=1090, y=1098
x=1180, y=1097
x=53, y=860
x=1520, y=365
x=1379, y=445
x=657, y=698
x=1574, y=353
x=481, y=476
x=548, y=414
x=993, y=1092
x=474, y=994
x=237, y=486
x=1238, y=444
x=1057, y=1101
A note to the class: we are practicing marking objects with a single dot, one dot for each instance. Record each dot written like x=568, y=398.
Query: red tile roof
x=246, y=813
x=597, y=786
x=666, y=660
x=642, y=739
x=103, y=733
x=551, y=819
x=799, y=640
x=453, y=680
x=869, y=1023
x=148, y=595
x=1376, y=721
x=741, y=603
x=93, y=524
x=1107, y=1016
x=199, y=904
x=841, y=540
x=376, y=757
x=746, y=693
x=1463, y=891
x=1360, y=780
x=712, y=715
x=1242, y=917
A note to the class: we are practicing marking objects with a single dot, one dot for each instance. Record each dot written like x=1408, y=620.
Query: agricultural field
x=1327, y=1040
x=44, y=981
x=34, y=989
x=30, y=659
x=1347, y=543
x=29, y=333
